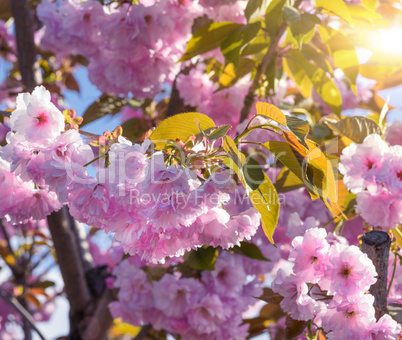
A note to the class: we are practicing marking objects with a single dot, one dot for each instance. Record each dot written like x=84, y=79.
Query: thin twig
x=262, y=67
x=89, y=134
x=23, y=312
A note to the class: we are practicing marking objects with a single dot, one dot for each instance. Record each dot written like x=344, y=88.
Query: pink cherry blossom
x=350, y=272
x=36, y=117
x=386, y=328
x=310, y=255
x=350, y=318
x=296, y=300
x=361, y=163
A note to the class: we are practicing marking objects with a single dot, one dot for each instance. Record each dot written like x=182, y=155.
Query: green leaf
x=324, y=86
x=208, y=38
x=272, y=112
x=201, y=259
x=337, y=7
x=135, y=128
x=317, y=58
x=299, y=24
x=233, y=45
x=258, y=44
x=342, y=51
x=264, y=198
x=283, y=152
x=299, y=127
x=287, y=181
x=360, y=13
x=104, y=105
x=370, y=4
x=274, y=16
x=355, y=128
x=296, y=72
x=252, y=173
x=323, y=178
x=181, y=126
x=255, y=9
x=230, y=74
x=250, y=250
x=218, y=132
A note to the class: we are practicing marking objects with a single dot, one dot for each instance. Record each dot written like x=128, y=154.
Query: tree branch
x=71, y=267
x=23, y=312
x=262, y=67
x=101, y=320
x=376, y=245
x=26, y=50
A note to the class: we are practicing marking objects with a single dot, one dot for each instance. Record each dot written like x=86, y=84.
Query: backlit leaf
x=208, y=38
x=342, y=52
x=355, y=128
x=255, y=9
x=272, y=112
x=236, y=41
x=104, y=105
x=337, y=7
x=324, y=86
x=180, y=126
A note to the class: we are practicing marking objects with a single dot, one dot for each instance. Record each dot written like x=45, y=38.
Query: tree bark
x=376, y=245
x=24, y=22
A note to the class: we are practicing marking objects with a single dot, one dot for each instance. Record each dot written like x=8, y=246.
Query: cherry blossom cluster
x=153, y=208
x=373, y=171
x=132, y=49
x=328, y=285
x=208, y=307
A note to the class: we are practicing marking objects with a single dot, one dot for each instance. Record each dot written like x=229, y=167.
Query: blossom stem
x=393, y=275
x=89, y=134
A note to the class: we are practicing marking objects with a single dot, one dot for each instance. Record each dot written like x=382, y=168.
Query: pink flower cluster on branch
x=205, y=308
x=328, y=285
x=373, y=170
x=153, y=208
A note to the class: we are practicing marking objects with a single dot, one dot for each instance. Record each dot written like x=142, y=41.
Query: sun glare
x=388, y=41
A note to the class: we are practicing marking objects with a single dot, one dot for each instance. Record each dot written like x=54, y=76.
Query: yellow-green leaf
x=297, y=73
x=120, y=328
x=265, y=200
x=370, y=4
x=283, y=152
x=181, y=126
x=337, y=7
x=230, y=75
x=255, y=9
x=236, y=41
x=274, y=16
x=208, y=38
x=342, y=52
x=272, y=112
x=355, y=128
x=324, y=86
x=287, y=181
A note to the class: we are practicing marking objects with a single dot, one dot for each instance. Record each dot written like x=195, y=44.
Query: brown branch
x=24, y=31
x=376, y=245
x=71, y=267
x=262, y=67
x=100, y=322
x=21, y=310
